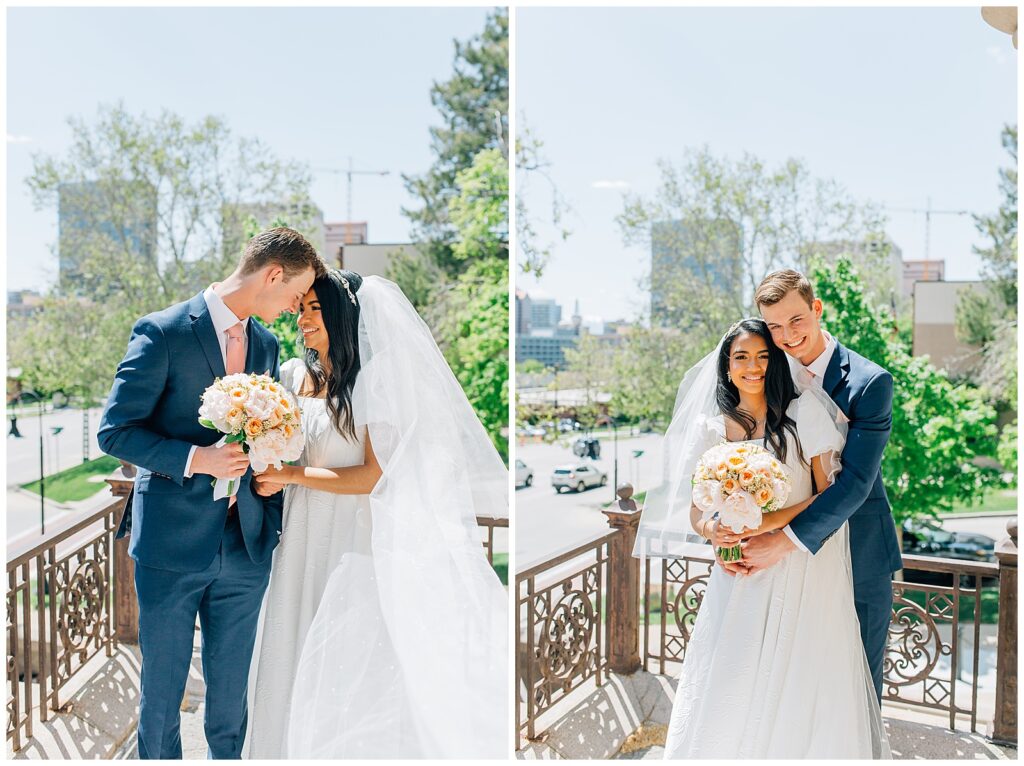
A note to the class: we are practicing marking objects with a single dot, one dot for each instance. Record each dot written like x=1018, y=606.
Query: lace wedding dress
x=775, y=667
x=319, y=529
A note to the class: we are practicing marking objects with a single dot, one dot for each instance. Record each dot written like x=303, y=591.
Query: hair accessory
x=351, y=295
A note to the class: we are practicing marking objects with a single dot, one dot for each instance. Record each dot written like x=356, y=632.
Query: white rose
x=740, y=511
x=706, y=496
x=780, y=489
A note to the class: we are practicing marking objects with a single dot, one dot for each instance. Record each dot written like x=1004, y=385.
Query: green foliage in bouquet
x=944, y=435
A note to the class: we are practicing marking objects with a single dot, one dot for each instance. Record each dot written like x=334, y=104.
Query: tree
x=531, y=164
x=646, y=370
x=942, y=433
x=474, y=112
x=587, y=367
x=151, y=213
x=470, y=314
x=988, y=317
x=715, y=227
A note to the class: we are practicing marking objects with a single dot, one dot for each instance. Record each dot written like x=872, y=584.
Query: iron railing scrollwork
x=561, y=628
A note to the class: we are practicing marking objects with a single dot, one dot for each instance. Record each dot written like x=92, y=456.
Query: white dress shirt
x=223, y=320
x=817, y=368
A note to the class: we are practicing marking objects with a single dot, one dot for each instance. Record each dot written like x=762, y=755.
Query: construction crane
x=928, y=213
x=348, y=173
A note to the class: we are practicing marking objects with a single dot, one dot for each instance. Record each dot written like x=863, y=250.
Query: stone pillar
x=623, y=600
x=126, y=603
x=1004, y=728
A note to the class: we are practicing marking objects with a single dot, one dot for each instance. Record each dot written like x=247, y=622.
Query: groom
x=195, y=555
x=863, y=391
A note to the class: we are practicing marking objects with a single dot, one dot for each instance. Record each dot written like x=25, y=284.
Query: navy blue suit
x=191, y=557
x=863, y=391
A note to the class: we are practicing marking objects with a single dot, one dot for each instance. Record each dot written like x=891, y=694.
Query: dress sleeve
x=290, y=374
x=819, y=435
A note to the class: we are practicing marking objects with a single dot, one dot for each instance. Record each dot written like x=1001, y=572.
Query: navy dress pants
x=226, y=596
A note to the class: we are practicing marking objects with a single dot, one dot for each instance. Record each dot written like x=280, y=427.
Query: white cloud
x=997, y=53
x=13, y=139
x=606, y=184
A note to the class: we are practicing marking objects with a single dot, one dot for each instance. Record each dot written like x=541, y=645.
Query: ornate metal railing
x=560, y=627
x=73, y=595
x=59, y=614
x=489, y=524
x=925, y=651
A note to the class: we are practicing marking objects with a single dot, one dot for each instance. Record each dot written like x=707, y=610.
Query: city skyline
x=900, y=105
x=364, y=94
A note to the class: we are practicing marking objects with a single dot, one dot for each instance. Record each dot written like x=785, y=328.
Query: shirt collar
x=820, y=365
x=223, y=317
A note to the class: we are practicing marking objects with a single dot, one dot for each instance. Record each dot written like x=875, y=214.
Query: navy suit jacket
x=152, y=420
x=863, y=391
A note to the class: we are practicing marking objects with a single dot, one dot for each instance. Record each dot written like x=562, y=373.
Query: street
x=547, y=522
x=59, y=452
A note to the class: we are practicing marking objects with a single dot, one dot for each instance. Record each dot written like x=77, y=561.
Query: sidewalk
x=101, y=713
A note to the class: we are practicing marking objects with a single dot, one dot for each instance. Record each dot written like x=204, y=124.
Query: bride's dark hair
x=340, y=314
x=779, y=390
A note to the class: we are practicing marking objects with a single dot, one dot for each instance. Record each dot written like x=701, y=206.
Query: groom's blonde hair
x=778, y=284
x=283, y=247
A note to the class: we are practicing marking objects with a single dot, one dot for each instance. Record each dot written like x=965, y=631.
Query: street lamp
x=42, y=468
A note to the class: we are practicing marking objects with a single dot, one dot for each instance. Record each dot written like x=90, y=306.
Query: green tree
x=152, y=215
x=645, y=372
x=588, y=368
x=531, y=164
x=941, y=432
x=470, y=314
x=474, y=111
x=716, y=226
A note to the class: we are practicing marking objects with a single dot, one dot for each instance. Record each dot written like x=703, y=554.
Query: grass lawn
x=993, y=500
x=501, y=566
x=73, y=484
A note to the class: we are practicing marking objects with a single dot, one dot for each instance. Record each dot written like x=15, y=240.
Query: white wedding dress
x=775, y=667
x=318, y=530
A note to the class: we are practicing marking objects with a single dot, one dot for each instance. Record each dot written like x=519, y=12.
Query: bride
x=774, y=667
x=384, y=630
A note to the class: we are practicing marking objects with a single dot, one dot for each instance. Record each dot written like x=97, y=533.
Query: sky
x=896, y=104
x=317, y=85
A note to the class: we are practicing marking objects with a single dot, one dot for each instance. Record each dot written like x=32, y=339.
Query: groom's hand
x=227, y=462
x=764, y=551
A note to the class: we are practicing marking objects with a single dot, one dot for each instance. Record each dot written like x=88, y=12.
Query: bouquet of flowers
x=260, y=413
x=739, y=482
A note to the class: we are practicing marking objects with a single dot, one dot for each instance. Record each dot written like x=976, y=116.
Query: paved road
x=547, y=522
x=59, y=452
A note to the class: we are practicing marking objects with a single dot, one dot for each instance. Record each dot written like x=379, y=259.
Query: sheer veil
x=407, y=656
x=665, y=529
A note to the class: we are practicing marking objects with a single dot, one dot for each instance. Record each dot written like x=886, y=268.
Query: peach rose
x=764, y=496
x=253, y=427
x=746, y=477
x=730, y=485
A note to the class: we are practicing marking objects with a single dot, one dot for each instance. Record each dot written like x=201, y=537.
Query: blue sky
x=316, y=84
x=895, y=104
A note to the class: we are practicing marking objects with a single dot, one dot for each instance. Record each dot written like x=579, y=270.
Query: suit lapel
x=206, y=334
x=252, y=354
x=837, y=368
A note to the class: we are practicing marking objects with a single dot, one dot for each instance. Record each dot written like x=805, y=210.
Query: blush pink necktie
x=235, y=362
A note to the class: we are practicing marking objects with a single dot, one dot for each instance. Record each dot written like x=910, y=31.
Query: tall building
x=935, y=325
x=522, y=315
x=545, y=313
x=103, y=217
x=921, y=271
x=338, y=235
x=686, y=251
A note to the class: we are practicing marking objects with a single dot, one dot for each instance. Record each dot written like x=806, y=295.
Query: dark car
x=587, y=446
x=928, y=538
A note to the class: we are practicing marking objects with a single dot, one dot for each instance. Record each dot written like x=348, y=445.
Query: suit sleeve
x=862, y=458
x=138, y=385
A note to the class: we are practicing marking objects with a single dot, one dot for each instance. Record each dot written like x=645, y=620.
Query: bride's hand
x=267, y=488
x=273, y=479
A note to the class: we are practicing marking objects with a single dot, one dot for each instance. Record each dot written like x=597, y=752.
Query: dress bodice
x=324, y=446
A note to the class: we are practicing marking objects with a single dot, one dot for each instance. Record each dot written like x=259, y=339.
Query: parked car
x=568, y=424
x=524, y=474
x=926, y=537
x=578, y=476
